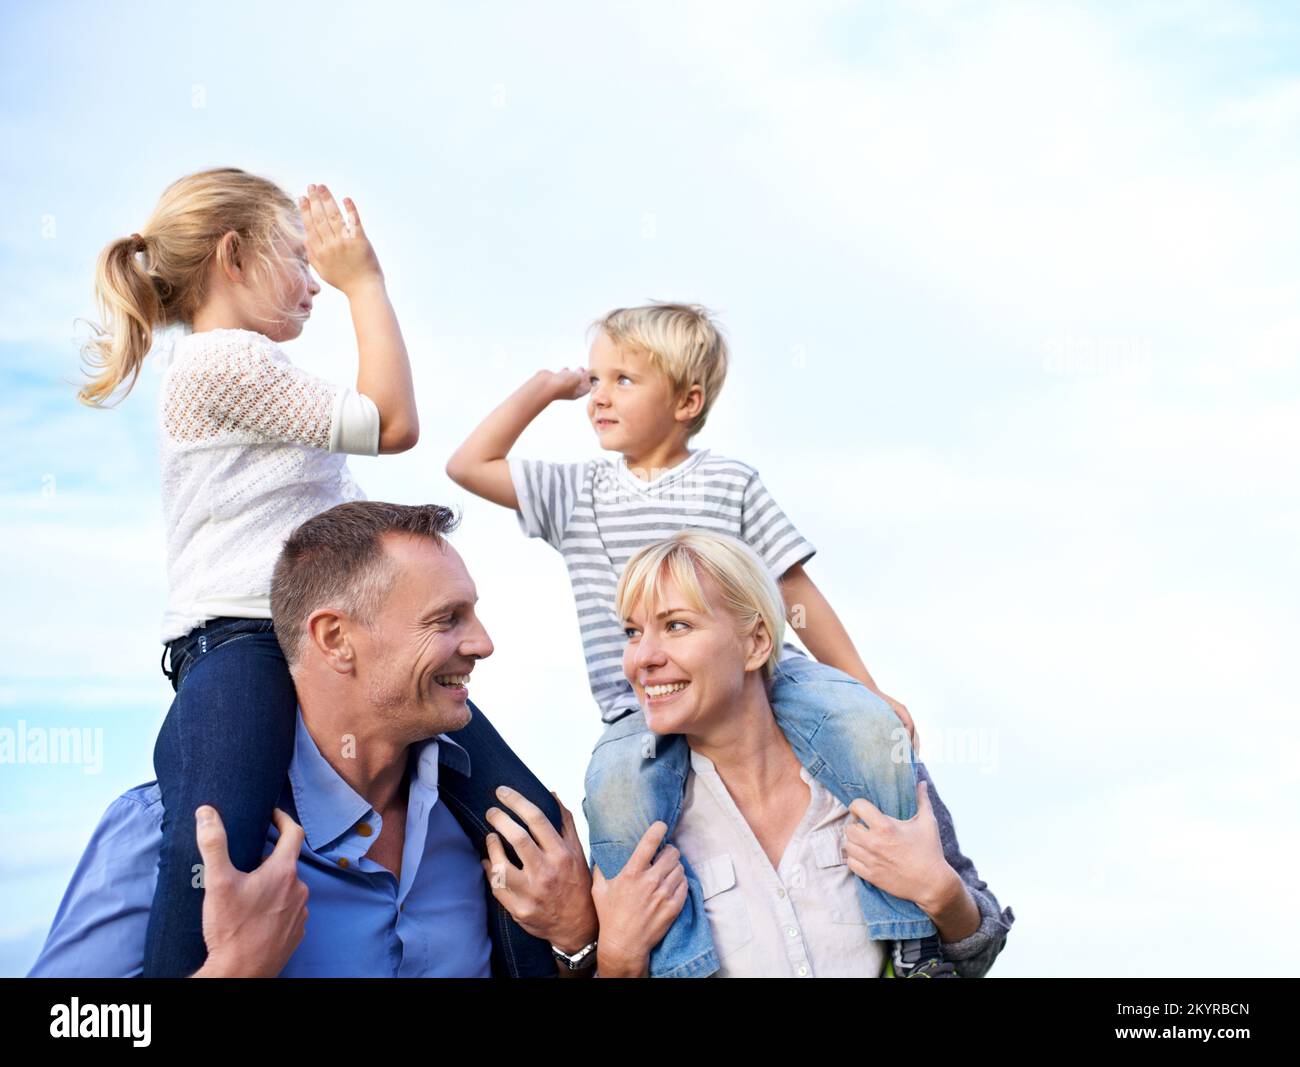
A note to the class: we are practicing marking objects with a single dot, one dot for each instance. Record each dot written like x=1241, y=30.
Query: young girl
x=250, y=447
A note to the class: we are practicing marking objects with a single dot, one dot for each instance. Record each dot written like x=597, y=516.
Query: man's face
x=425, y=640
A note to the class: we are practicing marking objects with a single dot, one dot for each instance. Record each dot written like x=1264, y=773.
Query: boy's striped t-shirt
x=598, y=514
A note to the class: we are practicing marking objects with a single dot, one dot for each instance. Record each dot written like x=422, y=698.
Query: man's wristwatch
x=578, y=961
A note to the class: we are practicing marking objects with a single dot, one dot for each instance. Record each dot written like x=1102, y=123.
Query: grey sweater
x=973, y=955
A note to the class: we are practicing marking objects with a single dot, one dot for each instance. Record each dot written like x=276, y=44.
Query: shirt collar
x=328, y=807
x=664, y=476
x=702, y=765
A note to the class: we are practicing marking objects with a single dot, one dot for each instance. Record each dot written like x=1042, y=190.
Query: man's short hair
x=337, y=560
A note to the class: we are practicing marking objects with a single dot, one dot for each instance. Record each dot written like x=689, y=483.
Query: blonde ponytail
x=159, y=278
x=130, y=306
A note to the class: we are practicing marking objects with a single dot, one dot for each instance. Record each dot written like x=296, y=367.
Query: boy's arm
x=811, y=615
x=480, y=465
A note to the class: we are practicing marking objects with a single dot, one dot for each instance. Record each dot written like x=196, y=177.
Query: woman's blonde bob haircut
x=682, y=342
x=749, y=592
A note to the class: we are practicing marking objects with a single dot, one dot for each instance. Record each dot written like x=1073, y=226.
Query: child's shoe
x=920, y=958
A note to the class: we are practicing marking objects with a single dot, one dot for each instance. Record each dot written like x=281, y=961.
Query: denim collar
x=328, y=807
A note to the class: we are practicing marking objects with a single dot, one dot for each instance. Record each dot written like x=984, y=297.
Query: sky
x=1012, y=296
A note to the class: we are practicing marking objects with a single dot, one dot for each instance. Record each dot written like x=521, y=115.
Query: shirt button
x=792, y=931
x=781, y=893
x=802, y=972
x=363, y=828
x=343, y=861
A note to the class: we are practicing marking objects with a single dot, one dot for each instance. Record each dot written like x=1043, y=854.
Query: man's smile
x=458, y=684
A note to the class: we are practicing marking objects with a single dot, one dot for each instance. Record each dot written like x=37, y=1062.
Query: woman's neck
x=747, y=747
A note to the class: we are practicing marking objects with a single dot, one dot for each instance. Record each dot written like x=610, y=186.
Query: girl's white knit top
x=250, y=447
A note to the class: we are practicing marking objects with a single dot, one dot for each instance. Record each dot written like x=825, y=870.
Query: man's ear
x=327, y=637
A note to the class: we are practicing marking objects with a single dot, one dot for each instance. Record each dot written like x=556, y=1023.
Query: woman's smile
x=662, y=693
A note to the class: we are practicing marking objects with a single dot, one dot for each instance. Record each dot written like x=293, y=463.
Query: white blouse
x=802, y=920
x=250, y=447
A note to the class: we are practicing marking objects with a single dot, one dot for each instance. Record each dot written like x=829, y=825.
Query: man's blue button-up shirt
x=363, y=921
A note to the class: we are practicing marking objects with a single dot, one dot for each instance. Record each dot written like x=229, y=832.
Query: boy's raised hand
x=337, y=245
x=567, y=384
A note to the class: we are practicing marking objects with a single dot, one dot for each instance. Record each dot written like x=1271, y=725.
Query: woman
x=776, y=853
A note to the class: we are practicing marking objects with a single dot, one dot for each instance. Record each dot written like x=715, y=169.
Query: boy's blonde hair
x=681, y=340
x=749, y=591
x=158, y=277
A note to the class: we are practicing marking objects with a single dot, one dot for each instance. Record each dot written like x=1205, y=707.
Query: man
x=385, y=818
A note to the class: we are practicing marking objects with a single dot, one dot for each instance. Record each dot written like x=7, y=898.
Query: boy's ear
x=690, y=403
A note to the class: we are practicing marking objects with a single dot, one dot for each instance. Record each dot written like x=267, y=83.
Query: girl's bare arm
x=343, y=256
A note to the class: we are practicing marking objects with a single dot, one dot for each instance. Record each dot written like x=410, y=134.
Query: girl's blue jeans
x=846, y=736
x=227, y=741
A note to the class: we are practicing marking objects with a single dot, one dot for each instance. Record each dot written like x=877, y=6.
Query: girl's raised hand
x=337, y=246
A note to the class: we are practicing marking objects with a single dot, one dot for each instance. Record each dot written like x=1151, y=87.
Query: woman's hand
x=565, y=384
x=902, y=857
x=338, y=248
x=637, y=907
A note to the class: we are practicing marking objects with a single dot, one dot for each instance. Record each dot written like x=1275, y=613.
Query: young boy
x=654, y=374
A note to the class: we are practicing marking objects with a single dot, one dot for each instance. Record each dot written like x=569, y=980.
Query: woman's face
x=688, y=668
